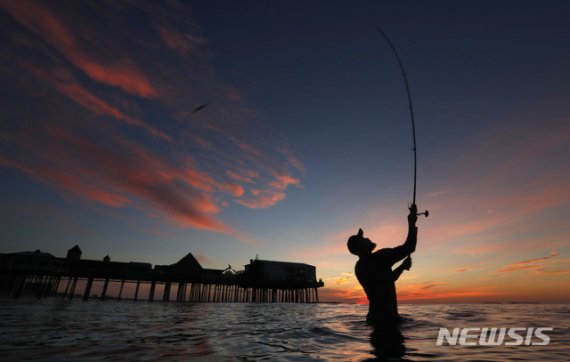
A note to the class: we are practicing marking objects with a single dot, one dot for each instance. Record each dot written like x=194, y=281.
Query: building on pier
x=38, y=274
x=74, y=253
x=279, y=271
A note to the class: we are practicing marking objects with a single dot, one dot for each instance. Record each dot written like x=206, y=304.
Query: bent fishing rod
x=426, y=213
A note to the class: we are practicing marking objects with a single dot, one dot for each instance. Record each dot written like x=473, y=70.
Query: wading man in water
x=374, y=272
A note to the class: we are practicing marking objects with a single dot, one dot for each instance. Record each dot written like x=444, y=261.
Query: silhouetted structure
x=274, y=281
x=74, y=253
x=37, y=274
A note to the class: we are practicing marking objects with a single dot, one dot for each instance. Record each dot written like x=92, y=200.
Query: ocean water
x=59, y=330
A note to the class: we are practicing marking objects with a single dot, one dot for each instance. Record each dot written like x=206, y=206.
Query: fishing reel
x=410, y=206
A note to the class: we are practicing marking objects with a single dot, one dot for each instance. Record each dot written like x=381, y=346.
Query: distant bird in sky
x=200, y=108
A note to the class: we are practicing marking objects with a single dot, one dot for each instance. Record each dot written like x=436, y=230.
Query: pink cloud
x=247, y=177
x=262, y=199
x=64, y=82
x=282, y=181
x=199, y=180
x=82, y=77
x=430, y=285
x=551, y=255
x=74, y=184
x=234, y=189
x=526, y=264
x=69, y=182
x=119, y=176
x=123, y=73
x=269, y=195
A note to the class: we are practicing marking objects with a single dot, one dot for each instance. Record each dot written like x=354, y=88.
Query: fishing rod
x=426, y=213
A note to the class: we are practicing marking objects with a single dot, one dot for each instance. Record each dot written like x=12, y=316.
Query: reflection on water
x=58, y=330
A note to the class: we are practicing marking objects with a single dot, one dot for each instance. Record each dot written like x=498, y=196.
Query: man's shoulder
x=383, y=256
x=382, y=252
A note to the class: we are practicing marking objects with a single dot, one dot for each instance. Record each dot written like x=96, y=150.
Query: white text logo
x=494, y=336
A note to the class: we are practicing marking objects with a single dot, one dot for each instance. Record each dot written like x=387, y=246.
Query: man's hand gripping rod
x=414, y=208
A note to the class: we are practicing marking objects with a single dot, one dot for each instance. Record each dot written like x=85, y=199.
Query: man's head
x=359, y=245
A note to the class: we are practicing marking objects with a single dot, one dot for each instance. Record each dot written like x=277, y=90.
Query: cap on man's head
x=354, y=242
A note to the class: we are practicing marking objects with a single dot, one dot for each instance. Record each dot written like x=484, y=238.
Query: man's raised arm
x=409, y=246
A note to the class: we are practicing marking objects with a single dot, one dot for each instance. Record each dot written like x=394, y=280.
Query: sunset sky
x=305, y=138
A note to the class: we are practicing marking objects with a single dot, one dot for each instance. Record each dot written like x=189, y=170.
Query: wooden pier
x=38, y=275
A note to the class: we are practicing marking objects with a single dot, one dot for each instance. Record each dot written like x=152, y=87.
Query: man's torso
x=376, y=277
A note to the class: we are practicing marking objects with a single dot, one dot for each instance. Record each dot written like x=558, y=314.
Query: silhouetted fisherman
x=374, y=272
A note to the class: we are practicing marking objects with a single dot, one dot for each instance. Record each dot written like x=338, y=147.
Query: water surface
x=59, y=330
